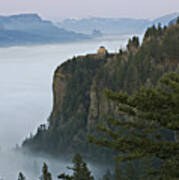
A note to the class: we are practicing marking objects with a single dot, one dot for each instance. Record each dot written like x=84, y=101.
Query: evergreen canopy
x=80, y=170
x=147, y=114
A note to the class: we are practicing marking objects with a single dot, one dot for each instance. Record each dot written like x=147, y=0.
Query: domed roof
x=102, y=51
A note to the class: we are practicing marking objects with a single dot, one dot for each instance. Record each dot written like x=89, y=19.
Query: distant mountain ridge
x=30, y=29
x=105, y=25
x=21, y=17
x=114, y=25
x=165, y=20
x=24, y=29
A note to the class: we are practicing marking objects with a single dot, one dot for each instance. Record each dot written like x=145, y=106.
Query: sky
x=59, y=9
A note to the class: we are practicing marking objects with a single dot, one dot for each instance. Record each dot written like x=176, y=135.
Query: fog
x=26, y=75
x=11, y=163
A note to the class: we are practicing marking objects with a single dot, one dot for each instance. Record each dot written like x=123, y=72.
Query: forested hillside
x=79, y=83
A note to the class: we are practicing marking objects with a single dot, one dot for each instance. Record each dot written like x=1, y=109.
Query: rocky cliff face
x=93, y=104
x=59, y=89
x=79, y=84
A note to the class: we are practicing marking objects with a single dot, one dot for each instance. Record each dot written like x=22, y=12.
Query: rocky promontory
x=79, y=84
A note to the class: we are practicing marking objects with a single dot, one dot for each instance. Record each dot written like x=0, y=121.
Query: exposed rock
x=59, y=89
x=79, y=85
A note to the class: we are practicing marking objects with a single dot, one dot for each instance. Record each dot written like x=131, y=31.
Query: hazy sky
x=86, y=8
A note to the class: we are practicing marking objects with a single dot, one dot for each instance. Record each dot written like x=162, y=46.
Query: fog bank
x=26, y=75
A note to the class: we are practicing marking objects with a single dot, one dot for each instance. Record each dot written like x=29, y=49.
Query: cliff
x=78, y=86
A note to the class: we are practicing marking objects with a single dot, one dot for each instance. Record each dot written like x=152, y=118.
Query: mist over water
x=26, y=75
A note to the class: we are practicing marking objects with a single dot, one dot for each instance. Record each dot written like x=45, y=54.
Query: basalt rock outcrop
x=79, y=84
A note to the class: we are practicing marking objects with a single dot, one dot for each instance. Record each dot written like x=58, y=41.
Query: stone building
x=102, y=51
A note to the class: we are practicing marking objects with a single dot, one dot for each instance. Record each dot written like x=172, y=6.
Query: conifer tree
x=147, y=113
x=80, y=170
x=21, y=176
x=46, y=175
x=134, y=42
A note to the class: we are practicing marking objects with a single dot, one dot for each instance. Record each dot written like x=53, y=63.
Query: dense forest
x=82, y=103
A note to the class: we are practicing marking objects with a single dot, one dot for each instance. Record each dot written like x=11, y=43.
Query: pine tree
x=80, y=170
x=45, y=174
x=21, y=176
x=133, y=43
x=147, y=113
